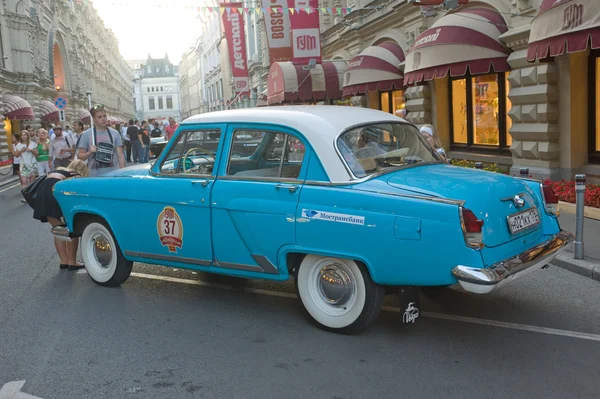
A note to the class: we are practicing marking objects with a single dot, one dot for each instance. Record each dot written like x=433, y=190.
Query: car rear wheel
x=102, y=256
x=338, y=294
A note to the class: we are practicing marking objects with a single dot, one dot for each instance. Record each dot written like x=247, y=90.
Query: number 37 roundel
x=170, y=229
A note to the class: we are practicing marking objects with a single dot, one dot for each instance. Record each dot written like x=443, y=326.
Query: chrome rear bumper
x=62, y=233
x=483, y=281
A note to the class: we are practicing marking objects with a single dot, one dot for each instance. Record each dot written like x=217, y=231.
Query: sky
x=151, y=26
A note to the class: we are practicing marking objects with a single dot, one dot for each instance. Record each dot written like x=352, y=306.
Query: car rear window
x=377, y=147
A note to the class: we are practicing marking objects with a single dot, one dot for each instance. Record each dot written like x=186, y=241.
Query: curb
x=9, y=181
x=588, y=211
x=585, y=267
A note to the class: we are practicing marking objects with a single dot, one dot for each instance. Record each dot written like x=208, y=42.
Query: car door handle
x=292, y=189
x=203, y=182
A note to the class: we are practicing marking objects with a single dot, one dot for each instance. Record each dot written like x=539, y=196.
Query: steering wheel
x=186, y=166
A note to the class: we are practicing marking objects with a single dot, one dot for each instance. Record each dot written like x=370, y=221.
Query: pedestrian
x=170, y=130
x=430, y=134
x=27, y=150
x=79, y=128
x=68, y=131
x=156, y=132
x=16, y=139
x=126, y=141
x=62, y=149
x=101, y=145
x=144, y=139
x=30, y=131
x=47, y=210
x=43, y=149
x=132, y=132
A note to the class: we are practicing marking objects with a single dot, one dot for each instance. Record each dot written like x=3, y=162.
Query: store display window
x=393, y=102
x=594, y=142
x=479, y=108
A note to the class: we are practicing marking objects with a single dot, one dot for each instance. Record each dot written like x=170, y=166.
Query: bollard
x=524, y=172
x=579, y=203
x=478, y=165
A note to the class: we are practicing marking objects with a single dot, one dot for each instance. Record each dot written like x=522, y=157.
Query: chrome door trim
x=180, y=259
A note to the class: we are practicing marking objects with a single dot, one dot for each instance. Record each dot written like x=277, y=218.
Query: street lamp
x=89, y=96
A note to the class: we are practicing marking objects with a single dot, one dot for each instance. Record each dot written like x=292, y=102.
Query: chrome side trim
x=170, y=258
x=265, y=266
x=485, y=280
x=262, y=179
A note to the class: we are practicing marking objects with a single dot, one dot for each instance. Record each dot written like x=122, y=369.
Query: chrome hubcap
x=102, y=250
x=335, y=285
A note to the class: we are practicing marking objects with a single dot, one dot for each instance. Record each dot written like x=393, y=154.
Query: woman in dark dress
x=47, y=210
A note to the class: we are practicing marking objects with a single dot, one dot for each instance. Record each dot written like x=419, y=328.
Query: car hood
x=487, y=194
x=130, y=171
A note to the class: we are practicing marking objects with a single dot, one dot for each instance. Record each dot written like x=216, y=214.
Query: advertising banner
x=306, y=38
x=277, y=21
x=233, y=24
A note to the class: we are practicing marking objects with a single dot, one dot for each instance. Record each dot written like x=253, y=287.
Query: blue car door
x=255, y=198
x=175, y=201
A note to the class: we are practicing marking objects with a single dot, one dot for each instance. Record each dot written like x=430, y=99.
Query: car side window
x=193, y=154
x=279, y=155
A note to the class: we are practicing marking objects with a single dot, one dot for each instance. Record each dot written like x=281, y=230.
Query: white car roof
x=321, y=124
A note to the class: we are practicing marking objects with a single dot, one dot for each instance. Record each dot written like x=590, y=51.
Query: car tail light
x=472, y=228
x=550, y=200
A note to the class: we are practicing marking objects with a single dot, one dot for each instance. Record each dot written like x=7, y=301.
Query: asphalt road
x=178, y=334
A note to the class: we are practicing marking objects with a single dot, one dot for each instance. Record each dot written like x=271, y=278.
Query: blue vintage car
x=351, y=202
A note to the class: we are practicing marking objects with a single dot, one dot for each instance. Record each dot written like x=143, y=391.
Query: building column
x=535, y=132
x=418, y=104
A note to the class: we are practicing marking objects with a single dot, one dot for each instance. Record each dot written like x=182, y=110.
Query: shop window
x=479, y=112
x=392, y=101
x=594, y=142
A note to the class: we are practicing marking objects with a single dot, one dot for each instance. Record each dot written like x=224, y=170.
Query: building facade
x=156, y=88
x=55, y=49
x=467, y=72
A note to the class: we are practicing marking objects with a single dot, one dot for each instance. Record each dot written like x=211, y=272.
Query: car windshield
x=374, y=148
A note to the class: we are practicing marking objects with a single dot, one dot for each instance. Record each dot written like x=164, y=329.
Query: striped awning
x=83, y=115
x=376, y=68
x=459, y=42
x=262, y=99
x=49, y=111
x=564, y=26
x=17, y=108
x=289, y=82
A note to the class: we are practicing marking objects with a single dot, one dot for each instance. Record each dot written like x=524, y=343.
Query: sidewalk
x=590, y=265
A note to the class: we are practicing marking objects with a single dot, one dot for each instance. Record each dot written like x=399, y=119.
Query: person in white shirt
x=62, y=149
x=79, y=128
x=27, y=150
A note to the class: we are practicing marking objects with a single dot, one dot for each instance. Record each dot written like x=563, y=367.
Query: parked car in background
x=352, y=203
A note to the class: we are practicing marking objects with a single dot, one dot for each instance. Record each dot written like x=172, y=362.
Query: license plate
x=523, y=220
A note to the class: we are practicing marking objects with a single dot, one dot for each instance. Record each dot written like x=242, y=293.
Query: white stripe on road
x=464, y=319
x=11, y=187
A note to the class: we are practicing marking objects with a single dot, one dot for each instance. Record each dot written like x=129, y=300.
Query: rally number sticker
x=170, y=229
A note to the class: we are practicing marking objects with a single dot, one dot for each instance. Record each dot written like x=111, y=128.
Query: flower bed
x=491, y=167
x=565, y=190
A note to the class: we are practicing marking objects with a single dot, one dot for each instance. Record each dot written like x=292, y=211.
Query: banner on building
x=306, y=38
x=233, y=24
x=277, y=21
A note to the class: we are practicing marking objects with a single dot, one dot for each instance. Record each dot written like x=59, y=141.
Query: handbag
x=104, y=151
x=30, y=192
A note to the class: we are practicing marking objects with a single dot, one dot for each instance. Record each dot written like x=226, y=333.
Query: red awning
x=83, y=115
x=564, y=26
x=17, y=108
x=289, y=82
x=376, y=68
x=262, y=99
x=49, y=111
x=459, y=42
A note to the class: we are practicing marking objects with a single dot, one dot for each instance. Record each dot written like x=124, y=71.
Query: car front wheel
x=338, y=294
x=102, y=256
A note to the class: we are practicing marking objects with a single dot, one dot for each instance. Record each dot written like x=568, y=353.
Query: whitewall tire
x=338, y=294
x=102, y=256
